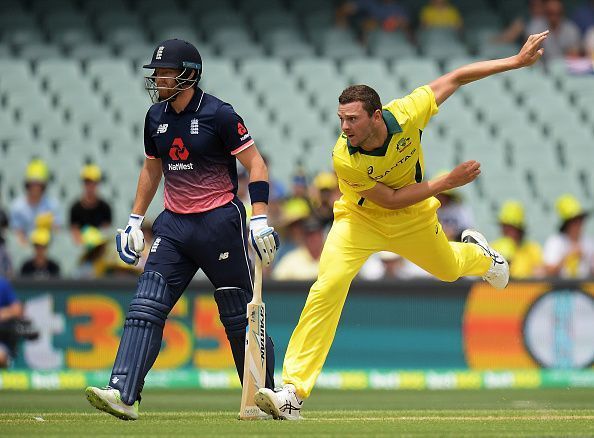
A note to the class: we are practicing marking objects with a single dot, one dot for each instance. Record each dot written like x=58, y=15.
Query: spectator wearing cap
x=325, y=192
x=569, y=253
x=40, y=266
x=90, y=209
x=524, y=256
x=454, y=216
x=35, y=209
x=303, y=262
x=94, y=262
x=293, y=215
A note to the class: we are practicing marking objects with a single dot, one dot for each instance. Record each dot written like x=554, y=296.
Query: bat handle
x=257, y=298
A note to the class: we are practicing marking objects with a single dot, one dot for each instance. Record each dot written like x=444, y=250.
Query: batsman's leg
x=232, y=303
x=231, y=276
x=143, y=332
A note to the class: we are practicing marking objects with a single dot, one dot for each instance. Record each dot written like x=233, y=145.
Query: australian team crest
x=403, y=143
x=194, y=126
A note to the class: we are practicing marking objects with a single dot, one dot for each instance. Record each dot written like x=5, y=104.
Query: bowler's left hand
x=532, y=50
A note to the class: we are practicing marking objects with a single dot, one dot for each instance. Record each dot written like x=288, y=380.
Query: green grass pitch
x=496, y=413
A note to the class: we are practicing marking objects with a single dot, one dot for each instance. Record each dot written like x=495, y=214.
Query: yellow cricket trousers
x=412, y=232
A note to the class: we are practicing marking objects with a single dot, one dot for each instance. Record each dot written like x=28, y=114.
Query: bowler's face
x=355, y=122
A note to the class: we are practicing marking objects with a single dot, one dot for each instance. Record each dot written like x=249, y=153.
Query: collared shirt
x=399, y=162
x=197, y=148
x=558, y=247
x=23, y=214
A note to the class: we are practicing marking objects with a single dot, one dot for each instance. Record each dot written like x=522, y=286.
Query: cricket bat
x=254, y=369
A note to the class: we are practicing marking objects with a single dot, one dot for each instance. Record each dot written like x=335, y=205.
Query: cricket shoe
x=498, y=274
x=108, y=400
x=283, y=404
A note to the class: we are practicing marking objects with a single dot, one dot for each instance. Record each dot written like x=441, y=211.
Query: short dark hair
x=364, y=94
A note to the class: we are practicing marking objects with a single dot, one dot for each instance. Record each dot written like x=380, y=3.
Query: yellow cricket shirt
x=399, y=162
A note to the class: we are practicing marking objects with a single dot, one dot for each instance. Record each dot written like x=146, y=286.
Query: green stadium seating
x=415, y=72
x=37, y=51
x=282, y=64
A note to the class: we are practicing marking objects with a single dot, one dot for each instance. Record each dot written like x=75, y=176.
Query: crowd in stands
x=301, y=213
x=572, y=32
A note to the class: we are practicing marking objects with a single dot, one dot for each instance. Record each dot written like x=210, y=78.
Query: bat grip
x=257, y=298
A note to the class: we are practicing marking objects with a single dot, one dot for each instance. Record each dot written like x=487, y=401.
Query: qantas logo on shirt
x=178, y=150
x=398, y=163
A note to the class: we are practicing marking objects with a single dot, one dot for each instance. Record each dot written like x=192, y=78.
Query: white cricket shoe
x=498, y=274
x=108, y=400
x=283, y=404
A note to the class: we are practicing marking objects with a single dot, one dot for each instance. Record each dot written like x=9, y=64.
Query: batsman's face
x=355, y=122
x=165, y=80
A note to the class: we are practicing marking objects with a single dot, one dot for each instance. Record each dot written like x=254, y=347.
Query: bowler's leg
x=430, y=249
x=346, y=249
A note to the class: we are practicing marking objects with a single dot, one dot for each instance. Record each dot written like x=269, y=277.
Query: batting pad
x=141, y=339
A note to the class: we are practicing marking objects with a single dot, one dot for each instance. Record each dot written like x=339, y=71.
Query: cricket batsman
x=193, y=139
x=386, y=206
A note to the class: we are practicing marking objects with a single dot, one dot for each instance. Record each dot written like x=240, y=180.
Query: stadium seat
x=271, y=20
x=122, y=36
x=36, y=51
x=183, y=32
x=22, y=36
x=17, y=20
x=292, y=50
x=390, y=45
x=258, y=71
x=211, y=21
x=416, y=71
x=168, y=19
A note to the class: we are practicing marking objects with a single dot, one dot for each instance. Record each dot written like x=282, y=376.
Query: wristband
x=135, y=220
x=259, y=191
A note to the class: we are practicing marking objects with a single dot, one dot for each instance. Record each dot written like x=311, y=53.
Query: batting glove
x=130, y=242
x=264, y=239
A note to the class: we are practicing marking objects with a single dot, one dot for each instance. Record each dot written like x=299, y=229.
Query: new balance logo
x=160, y=52
x=162, y=129
x=224, y=256
x=155, y=244
x=115, y=380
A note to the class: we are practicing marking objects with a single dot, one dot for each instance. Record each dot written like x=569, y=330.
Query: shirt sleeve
x=150, y=148
x=232, y=130
x=420, y=105
x=17, y=220
x=554, y=251
x=7, y=294
x=356, y=179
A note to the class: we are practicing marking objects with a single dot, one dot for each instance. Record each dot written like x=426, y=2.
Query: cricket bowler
x=386, y=206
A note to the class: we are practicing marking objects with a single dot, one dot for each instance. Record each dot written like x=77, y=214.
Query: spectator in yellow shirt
x=441, y=14
x=524, y=256
x=302, y=263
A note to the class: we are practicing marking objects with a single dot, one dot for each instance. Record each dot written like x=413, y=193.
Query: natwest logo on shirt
x=178, y=150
